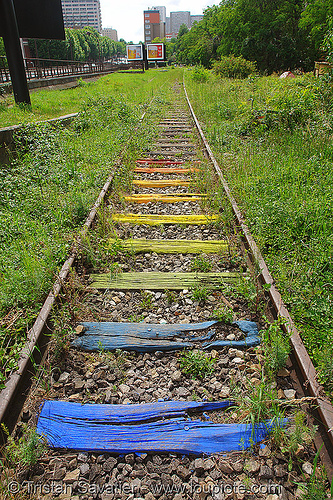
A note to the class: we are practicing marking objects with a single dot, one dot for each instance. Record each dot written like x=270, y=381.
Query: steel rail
x=310, y=384
x=18, y=378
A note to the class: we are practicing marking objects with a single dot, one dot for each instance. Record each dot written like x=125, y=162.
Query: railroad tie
x=165, y=170
x=154, y=427
x=156, y=219
x=151, y=161
x=181, y=146
x=150, y=337
x=172, y=152
x=164, y=198
x=170, y=246
x=162, y=280
x=160, y=183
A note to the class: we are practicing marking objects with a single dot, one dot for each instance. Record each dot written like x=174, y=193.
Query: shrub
x=234, y=67
x=25, y=451
x=276, y=347
x=197, y=364
x=324, y=358
x=200, y=74
x=201, y=264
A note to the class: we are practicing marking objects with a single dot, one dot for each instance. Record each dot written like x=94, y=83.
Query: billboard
x=155, y=51
x=38, y=19
x=134, y=52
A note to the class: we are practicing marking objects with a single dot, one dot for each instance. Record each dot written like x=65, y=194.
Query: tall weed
x=272, y=138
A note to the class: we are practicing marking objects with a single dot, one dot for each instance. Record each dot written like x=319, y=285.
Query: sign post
x=145, y=60
x=12, y=44
x=27, y=19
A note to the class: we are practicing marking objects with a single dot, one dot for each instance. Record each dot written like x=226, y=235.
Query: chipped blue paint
x=144, y=337
x=157, y=427
x=145, y=330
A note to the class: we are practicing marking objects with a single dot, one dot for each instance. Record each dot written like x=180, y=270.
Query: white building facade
x=82, y=13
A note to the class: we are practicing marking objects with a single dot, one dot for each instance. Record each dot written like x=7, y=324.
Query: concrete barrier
x=7, y=135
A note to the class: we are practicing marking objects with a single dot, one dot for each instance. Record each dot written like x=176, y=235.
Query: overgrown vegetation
x=201, y=264
x=275, y=35
x=272, y=138
x=54, y=103
x=84, y=44
x=234, y=67
x=197, y=364
x=276, y=348
x=224, y=314
x=50, y=184
x=199, y=293
x=26, y=450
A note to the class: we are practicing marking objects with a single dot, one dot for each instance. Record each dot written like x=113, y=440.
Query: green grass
x=47, y=190
x=273, y=140
x=197, y=364
x=51, y=103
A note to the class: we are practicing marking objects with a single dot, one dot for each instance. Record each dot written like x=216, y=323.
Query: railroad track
x=148, y=398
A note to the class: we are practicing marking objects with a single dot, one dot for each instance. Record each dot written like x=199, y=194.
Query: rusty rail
x=306, y=368
x=20, y=379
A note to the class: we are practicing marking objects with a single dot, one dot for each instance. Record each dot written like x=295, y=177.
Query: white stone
x=176, y=376
x=290, y=393
x=307, y=468
x=231, y=336
x=72, y=476
x=225, y=391
x=124, y=388
x=64, y=377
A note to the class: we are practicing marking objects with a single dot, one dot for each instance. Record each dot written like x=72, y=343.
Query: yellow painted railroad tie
x=171, y=246
x=162, y=281
x=156, y=220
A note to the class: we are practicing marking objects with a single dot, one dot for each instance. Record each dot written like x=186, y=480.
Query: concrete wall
x=7, y=136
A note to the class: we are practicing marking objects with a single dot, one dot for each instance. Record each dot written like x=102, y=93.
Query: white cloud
x=127, y=16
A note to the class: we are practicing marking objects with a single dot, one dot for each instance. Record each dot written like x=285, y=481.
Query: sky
x=126, y=16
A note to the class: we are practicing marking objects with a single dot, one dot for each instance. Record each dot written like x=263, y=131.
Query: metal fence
x=37, y=69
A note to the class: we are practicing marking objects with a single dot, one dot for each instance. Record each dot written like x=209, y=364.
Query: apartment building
x=110, y=33
x=176, y=19
x=179, y=18
x=82, y=13
x=196, y=19
x=153, y=25
x=157, y=24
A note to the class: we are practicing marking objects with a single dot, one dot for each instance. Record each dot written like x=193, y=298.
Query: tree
x=121, y=47
x=2, y=48
x=328, y=42
x=84, y=44
x=263, y=31
x=315, y=20
x=182, y=30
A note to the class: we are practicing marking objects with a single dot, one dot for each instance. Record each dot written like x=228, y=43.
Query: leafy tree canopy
x=275, y=34
x=84, y=44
